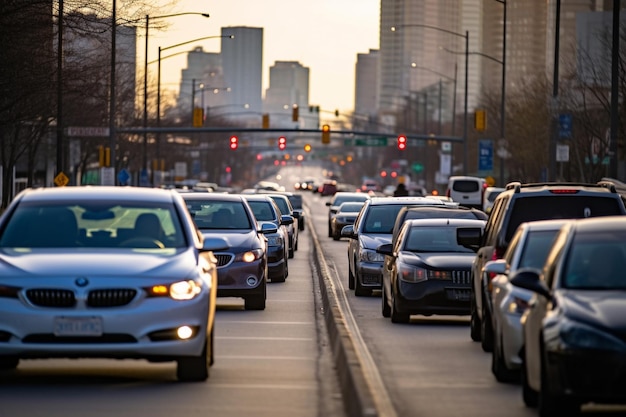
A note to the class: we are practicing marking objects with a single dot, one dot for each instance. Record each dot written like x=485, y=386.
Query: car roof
x=555, y=187
x=88, y=192
x=257, y=197
x=545, y=224
x=603, y=224
x=212, y=197
x=446, y=222
x=379, y=201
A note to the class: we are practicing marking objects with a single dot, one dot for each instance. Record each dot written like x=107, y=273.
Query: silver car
x=106, y=272
x=528, y=249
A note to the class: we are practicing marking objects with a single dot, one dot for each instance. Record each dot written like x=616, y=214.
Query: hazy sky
x=323, y=35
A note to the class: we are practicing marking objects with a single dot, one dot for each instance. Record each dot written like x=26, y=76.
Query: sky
x=323, y=35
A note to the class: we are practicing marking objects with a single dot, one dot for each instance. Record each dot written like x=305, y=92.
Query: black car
x=575, y=328
x=346, y=214
x=429, y=271
x=266, y=211
x=521, y=203
x=242, y=269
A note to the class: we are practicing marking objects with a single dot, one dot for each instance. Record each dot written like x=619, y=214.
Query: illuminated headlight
x=368, y=255
x=181, y=290
x=581, y=336
x=274, y=240
x=410, y=273
x=249, y=256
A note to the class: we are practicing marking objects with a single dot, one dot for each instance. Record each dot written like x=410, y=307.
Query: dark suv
x=521, y=203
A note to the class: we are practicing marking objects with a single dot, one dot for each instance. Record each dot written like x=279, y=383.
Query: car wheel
x=498, y=365
x=474, y=320
x=195, y=368
x=554, y=405
x=291, y=253
x=486, y=330
x=350, y=278
x=8, y=363
x=386, y=309
x=529, y=395
x=336, y=236
x=396, y=316
x=295, y=247
x=330, y=230
x=256, y=302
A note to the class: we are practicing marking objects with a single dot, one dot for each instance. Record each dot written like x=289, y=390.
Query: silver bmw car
x=106, y=272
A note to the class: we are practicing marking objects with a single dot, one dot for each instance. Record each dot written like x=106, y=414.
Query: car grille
x=223, y=259
x=461, y=277
x=58, y=298
x=51, y=297
x=110, y=297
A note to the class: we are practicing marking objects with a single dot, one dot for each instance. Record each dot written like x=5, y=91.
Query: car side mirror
x=348, y=231
x=385, y=249
x=529, y=279
x=469, y=237
x=328, y=203
x=268, y=227
x=286, y=219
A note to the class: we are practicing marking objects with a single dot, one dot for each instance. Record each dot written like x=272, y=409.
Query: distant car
x=489, y=197
x=467, y=190
x=346, y=214
x=429, y=272
x=338, y=199
x=242, y=269
x=528, y=249
x=266, y=211
x=371, y=229
x=106, y=272
x=327, y=188
x=370, y=185
x=283, y=203
x=574, y=344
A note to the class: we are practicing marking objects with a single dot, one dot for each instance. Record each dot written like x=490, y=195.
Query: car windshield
x=536, y=248
x=433, y=239
x=92, y=224
x=342, y=199
x=380, y=219
x=350, y=207
x=262, y=211
x=296, y=201
x=596, y=261
x=212, y=214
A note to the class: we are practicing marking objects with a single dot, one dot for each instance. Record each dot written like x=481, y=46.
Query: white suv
x=467, y=191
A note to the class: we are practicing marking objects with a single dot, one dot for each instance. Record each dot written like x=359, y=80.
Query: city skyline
x=324, y=36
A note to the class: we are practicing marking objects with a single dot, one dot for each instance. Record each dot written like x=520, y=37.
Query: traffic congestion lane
x=274, y=363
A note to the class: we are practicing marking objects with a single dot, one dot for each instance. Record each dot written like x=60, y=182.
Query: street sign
x=565, y=126
x=417, y=167
x=123, y=176
x=88, y=131
x=380, y=141
x=562, y=153
x=485, y=155
x=61, y=180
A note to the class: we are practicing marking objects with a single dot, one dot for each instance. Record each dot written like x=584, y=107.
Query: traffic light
x=234, y=142
x=266, y=121
x=198, y=117
x=307, y=148
x=326, y=134
x=295, y=113
x=104, y=156
x=480, y=120
x=401, y=142
x=282, y=143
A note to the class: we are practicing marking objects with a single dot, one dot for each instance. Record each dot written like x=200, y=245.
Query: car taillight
x=564, y=191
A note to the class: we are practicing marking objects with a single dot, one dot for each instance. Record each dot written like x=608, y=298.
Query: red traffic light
x=402, y=142
x=282, y=143
x=234, y=142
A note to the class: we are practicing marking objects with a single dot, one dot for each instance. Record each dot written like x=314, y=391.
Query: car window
x=536, y=248
x=381, y=219
x=94, y=225
x=433, y=239
x=559, y=207
x=283, y=204
x=466, y=186
x=214, y=214
x=262, y=211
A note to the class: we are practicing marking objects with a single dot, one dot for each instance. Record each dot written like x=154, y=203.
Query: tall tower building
x=242, y=63
x=289, y=86
x=203, y=81
x=366, y=80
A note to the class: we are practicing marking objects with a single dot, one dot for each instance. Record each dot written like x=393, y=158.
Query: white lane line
x=293, y=339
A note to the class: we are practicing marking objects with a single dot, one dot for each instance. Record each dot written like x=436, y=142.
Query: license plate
x=78, y=326
x=459, y=295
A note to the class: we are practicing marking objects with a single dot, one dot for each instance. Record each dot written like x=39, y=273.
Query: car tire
x=336, y=236
x=330, y=230
x=486, y=330
x=386, y=308
x=256, y=302
x=529, y=395
x=195, y=368
x=498, y=365
x=291, y=253
x=8, y=363
x=350, y=278
x=554, y=405
x=474, y=320
x=396, y=316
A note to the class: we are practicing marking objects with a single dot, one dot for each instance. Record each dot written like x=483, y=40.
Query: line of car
x=541, y=277
x=134, y=273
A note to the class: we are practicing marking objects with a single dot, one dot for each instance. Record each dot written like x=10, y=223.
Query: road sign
x=380, y=141
x=417, y=167
x=562, y=153
x=565, y=126
x=485, y=155
x=88, y=131
x=61, y=180
x=123, y=176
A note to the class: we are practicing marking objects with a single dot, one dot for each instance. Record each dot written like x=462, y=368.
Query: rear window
x=381, y=219
x=544, y=207
x=465, y=186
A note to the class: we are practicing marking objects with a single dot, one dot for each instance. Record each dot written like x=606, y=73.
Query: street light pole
x=112, y=93
x=503, y=91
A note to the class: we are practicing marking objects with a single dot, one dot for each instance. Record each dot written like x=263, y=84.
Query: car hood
x=442, y=260
x=374, y=241
x=604, y=309
x=151, y=263
x=236, y=240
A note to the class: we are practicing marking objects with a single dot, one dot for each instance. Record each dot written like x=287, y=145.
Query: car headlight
x=249, y=256
x=181, y=290
x=275, y=240
x=578, y=335
x=412, y=273
x=369, y=255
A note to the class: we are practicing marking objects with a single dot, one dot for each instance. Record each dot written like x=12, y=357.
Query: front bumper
x=370, y=274
x=236, y=277
x=433, y=297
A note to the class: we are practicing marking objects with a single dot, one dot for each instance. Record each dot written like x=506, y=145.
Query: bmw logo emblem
x=81, y=282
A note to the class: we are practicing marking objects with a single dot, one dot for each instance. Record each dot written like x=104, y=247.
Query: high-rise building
x=242, y=64
x=366, y=80
x=289, y=87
